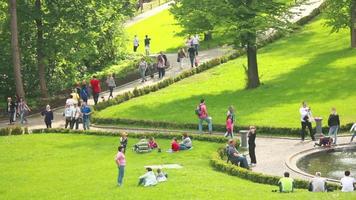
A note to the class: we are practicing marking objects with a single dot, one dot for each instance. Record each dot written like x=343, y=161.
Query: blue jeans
x=333, y=132
x=23, y=117
x=183, y=147
x=120, y=177
x=353, y=135
x=86, y=123
x=209, y=121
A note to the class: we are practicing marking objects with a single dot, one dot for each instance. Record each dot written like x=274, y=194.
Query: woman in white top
x=148, y=179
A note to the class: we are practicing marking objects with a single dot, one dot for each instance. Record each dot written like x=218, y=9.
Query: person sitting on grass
x=186, y=142
x=175, y=145
x=317, y=184
x=235, y=157
x=324, y=141
x=142, y=146
x=161, y=176
x=347, y=183
x=152, y=143
x=148, y=179
x=286, y=184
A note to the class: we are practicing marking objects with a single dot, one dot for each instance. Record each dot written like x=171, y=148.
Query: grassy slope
x=82, y=167
x=310, y=65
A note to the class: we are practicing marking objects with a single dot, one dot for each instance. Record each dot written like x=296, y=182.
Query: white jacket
x=353, y=128
x=150, y=178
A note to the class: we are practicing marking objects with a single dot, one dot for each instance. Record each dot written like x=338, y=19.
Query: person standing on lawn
x=334, y=124
x=181, y=56
x=86, y=112
x=123, y=140
x=192, y=54
x=110, y=81
x=202, y=113
x=95, y=85
x=121, y=163
x=23, y=110
x=252, y=145
x=142, y=68
x=11, y=110
x=306, y=119
x=147, y=45
x=48, y=116
x=136, y=43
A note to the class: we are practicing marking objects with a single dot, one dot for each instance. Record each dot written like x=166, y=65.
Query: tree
x=15, y=49
x=245, y=19
x=342, y=14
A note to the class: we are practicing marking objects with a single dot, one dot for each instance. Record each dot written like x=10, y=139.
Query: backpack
x=83, y=94
x=198, y=111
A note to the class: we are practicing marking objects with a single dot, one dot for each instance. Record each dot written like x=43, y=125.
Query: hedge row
x=218, y=162
x=198, y=137
x=15, y=130
x=217, y=127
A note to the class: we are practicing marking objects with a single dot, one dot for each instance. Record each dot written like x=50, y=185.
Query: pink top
x=203, y=111
x=120, y=159
x=229, y=124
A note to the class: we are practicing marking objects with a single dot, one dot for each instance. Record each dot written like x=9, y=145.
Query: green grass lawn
x=82, y=167
x=311, y=65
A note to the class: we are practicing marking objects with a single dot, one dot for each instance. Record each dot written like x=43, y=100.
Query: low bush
x=14, y=130
x=17, y=130
x=5, y=131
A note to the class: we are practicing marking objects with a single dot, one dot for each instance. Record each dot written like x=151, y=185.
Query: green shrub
x=5, y=131
x=16, y=130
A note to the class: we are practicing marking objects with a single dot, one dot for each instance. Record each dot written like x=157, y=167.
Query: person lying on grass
x=186, y=142
x=324, y=141
x=148, y=179
x=161, y=176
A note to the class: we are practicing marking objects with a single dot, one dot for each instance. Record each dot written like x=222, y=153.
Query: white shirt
x=195, y=40
x=135, y=42
x=347, y=184
x=71, y=102
x=318, y=184
x=150, y=178
x=353, y=128
x=304, y=112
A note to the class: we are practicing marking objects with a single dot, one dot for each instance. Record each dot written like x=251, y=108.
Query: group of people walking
x=17, y=108
x=147, y=42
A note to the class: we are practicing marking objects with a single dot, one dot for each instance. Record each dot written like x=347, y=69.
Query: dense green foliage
x=293, y=71
x=78, y=37
x=338, y=14
x=52, y=166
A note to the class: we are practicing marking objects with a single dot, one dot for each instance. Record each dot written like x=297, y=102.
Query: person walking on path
x=228, y=127
x=121, y=163
x=95, y=85
x=192, y=55
x=11, y=109
x=142, y=68
x=231, y=113
x=202, y=113
x=180, y=57
x=77, y=116
x=334, y=124
x=23, y=110
x=353, y=131
x=86, y=112
x=68, y=115
x=48, y=116
x=136, y=43
x=147, y=45
x=84, y=93
x=195, y=42
x=306, y=119
x=110, y=81
x=252, y=145
x=161, y=64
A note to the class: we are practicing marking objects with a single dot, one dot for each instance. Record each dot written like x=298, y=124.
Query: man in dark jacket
x=11, y=106
x=334, y=124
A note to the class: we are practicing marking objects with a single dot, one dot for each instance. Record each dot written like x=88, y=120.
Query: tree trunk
x=40, y=55
x=252, y=70
x=15, y=49
x=353, y=24
x=208, y=36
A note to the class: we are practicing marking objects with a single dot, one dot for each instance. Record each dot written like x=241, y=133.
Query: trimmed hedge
x=198, y=137
x=218, y=162
x=14, y=130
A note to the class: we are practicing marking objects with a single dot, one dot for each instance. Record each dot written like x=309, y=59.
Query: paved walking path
x=271, y=152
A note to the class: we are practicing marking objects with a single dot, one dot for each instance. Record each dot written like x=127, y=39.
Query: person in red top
x=95, y=86
x=203, y=116
x=175, y=145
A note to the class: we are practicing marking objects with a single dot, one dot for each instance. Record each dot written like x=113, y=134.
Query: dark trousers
x=48, y=124
x=161, y=72
x=11, y=117
x=74, y=122
x=95, y=97
x=251, y=151
x=68, y=122
x=111, y=89
x=192, y=59
x=304, y=132
x=135, y=48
